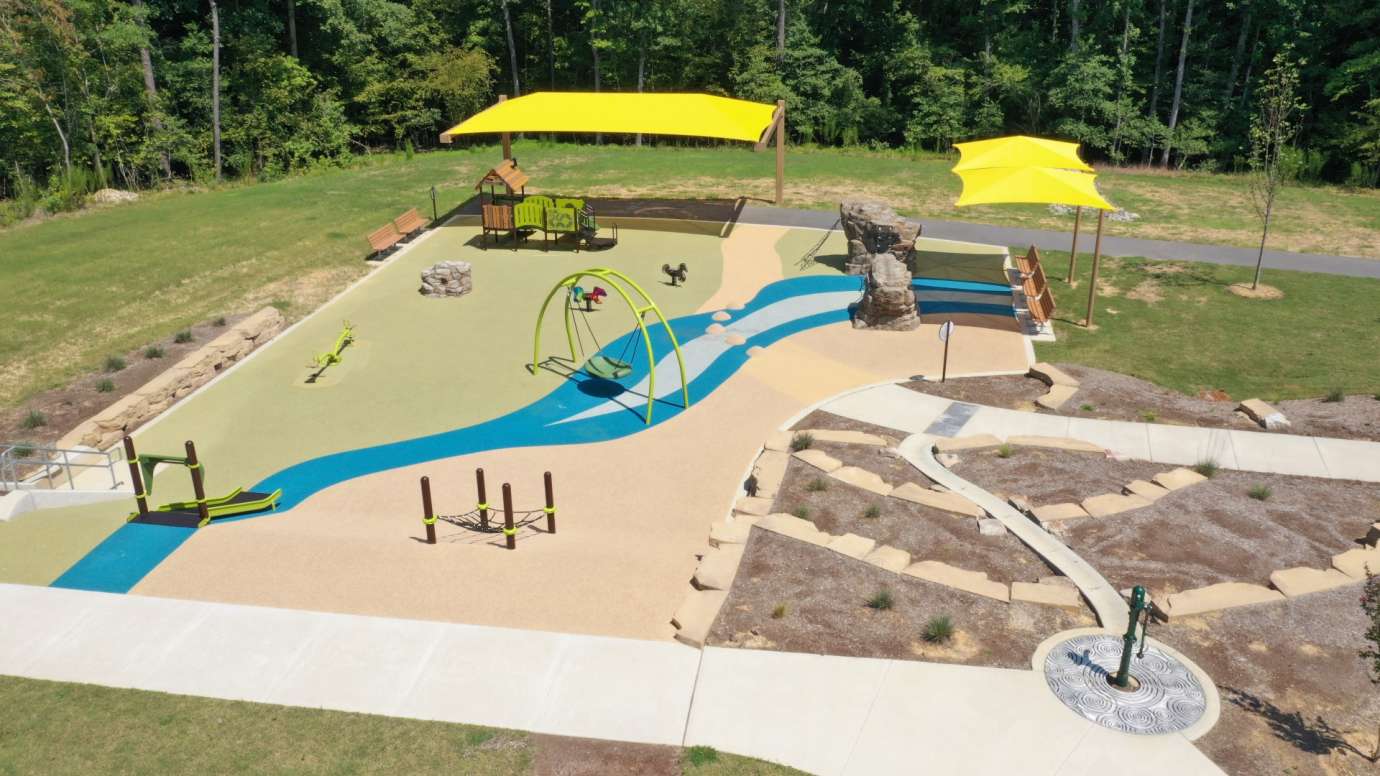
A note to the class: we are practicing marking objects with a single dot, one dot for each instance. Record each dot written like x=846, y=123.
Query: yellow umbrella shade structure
x=1002, y=185
x=692, y=115
x=1019, y=151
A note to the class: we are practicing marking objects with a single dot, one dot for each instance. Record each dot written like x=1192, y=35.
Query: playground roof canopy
x=691, y=115
x=1019, y=151
x=1041, y=185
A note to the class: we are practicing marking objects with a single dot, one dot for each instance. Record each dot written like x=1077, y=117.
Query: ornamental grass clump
x=881, y=600
x=802, y=441
x=938, y=629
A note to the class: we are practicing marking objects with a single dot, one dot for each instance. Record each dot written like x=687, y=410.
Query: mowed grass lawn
x=61, y=728
x=76, y=289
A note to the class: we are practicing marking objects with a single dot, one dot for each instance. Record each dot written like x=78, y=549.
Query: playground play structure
x=521, y=215
x=334, y=356
x=188, y=514
x=477, y=519
x=598, y=365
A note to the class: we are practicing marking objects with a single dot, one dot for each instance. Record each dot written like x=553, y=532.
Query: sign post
x=946, y=331
x=434, y=215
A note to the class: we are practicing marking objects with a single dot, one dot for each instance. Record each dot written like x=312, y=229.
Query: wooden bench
x=409, y=223
x=1039, y=300
x=1028, y=263
x=383, y=238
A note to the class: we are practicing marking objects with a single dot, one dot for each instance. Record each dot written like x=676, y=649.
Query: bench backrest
x=1041, y=306
x=384, y=237
x=528, y=215
x=498, y=217
x=409, y=222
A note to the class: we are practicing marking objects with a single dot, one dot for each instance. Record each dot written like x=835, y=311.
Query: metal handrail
x=18, y=458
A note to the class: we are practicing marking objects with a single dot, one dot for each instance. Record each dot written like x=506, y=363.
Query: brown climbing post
x=550, y=504
x=509, y=532
x=136, y=478
x=428, y=519
x=483, y=498
x=198, y=485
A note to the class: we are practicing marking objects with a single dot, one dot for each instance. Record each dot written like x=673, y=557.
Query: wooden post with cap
x=1097, y=259
x=483, y=504
x=509, y=532
x=550, y=504
x=428, y=519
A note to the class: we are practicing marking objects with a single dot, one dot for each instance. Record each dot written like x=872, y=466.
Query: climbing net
x=483, y=519
x=808, y=259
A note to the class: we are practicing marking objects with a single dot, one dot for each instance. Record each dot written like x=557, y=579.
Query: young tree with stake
x=1273, y=128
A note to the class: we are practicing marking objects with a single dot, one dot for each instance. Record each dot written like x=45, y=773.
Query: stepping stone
x=819, y=459
x=1051, y=375
x=845, y=437
x=734, y=306
x=1146, y=490
x=780, y=441
x=852, y=545
x=949, y=502
x=753, y=505
x=734, y=530
x=696, y=614
x=714, y=328
x=1224, y=595
x=794, y=527
x=975, y=442
x=1057, y=396
x=1056, y=443
x=861, y=478
x=770, y=470
x=1266, y=416
x=1112, y=504
x=1048, y=595
x=1373, y=535
x=1178, y=478
x=957, y=578
x=888, y=558
x=755, y=351
x=1056, y=513
x=735, y=339
x=1303, y=580
x=721, y=316
x=717, y=568
x=990, y=526
x=1354, y=563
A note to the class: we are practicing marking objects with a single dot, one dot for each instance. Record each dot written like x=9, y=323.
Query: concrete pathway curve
x=826, y=715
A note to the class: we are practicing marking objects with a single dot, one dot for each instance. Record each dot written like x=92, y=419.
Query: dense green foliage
x=312, y=82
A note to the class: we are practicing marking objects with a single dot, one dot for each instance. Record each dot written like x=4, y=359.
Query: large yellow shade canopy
x=1041, y=185
x=1019, y=151
x=692, y=115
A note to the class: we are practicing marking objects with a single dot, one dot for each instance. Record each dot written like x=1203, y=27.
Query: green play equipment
x=188, y=514
x=556, y=217
x=333, y=356
x=600, y=365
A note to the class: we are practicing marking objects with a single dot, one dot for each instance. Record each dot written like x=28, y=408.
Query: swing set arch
x=620, y=284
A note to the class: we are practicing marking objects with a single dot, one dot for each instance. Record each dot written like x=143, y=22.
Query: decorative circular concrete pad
x=1168, y=699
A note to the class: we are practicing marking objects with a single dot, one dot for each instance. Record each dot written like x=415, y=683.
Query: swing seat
x=607, y=368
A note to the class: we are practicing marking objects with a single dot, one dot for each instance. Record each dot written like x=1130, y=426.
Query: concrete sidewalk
x=913, y=412
x=822, y=714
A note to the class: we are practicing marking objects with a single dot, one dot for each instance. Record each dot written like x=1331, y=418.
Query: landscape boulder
x=447, y=278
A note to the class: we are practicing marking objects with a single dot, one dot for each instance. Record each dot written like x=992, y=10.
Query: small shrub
x=1087, y=408
x=817, y=485
x=1259, y=492
x=1333, y=396
x=1377, y=397
x=872, y=512
x=219, y=321
x=701, y=755
x=1147, y=416
x=114, y=363
x=182, y=337
x=152, y=352
x=1206, y=468
x=22, y=451
x=778, y=612
x=34, y=419
x=881, y=600
x=281, y=305
x=1005, y=451
x=105, y=386
x=938, y=629
x=801, y=512
x=803, y=441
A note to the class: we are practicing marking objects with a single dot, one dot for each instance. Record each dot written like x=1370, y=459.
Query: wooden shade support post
x=428, y=519
x=136, y=479
x=483, y=504
x=550, y=504
x=1073, y=251
x=198, y=484
x=507, y=136
x=509, y=532
x=1097, y=260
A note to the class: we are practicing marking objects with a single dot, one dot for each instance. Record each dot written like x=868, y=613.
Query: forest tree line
x=131, y=93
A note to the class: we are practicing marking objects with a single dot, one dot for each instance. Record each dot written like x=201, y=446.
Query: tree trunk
x=641, y=71
x=215, y=84
x=780, y=31
x=1260, y=257
x=1250, y=62
x=1121, y=80
x=66, y=147
x=594, y=48
x=1159, y=63
x=1178, y=83
x=1073, y=25
x=292, y=27
x=1237, y=55
x=512, y=50
x=550, y=48
x=151, y=89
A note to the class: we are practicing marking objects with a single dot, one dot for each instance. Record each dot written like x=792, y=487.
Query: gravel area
x=819, y=419
x=1113, y=396
x=1047, y=476
x=823, y=597
x=1295, y=696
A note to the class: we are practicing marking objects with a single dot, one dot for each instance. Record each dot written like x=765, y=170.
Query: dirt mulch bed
x=1113, y=396
x=825, y=594
x=1045, y=476
x=66, y=407
x=1295, y=696
x=819, y=419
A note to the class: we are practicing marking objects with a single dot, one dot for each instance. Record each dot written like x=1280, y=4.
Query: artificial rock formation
x=881, y=245
x=447, y=278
